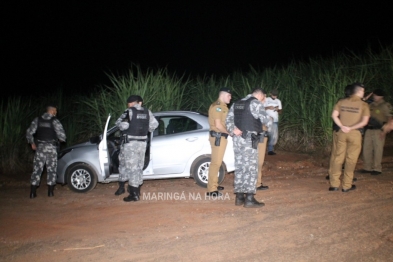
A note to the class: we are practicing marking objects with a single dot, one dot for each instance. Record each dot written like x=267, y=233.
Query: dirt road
x=302, y=220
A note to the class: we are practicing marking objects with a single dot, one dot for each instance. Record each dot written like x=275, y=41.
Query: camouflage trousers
x=131, y=161
x=45, y=154
x=246, y=165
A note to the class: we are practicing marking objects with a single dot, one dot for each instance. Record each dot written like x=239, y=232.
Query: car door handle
x=191, y=139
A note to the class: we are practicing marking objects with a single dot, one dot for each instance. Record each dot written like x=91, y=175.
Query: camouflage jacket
x=56, y=124
x=258, y=112
x=153, y=123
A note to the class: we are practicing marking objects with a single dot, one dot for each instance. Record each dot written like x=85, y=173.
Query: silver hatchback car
x=179, y=147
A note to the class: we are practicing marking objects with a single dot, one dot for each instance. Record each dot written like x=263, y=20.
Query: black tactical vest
x=139, y=124
x=244, y=120
x=45, y=130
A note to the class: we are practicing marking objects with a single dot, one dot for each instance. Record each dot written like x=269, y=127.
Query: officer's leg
x=122, y=178
x=250, y=180
x=238, y=148
x=378, y=150
x=137, y=156
x=51, y=166
x=331, y=161
x=353, y=150
x=368, y=150
x=215, y=164
x=339, y=157
x=261, y=160
x=38, y=166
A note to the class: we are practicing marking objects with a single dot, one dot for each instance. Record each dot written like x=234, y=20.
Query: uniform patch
x=218, y=109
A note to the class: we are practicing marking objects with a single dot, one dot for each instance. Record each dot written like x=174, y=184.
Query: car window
x=168, y=125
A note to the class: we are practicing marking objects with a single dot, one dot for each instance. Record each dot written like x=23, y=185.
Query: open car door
x=103, y=153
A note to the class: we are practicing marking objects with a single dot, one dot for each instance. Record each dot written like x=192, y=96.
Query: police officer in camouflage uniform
x=43, y=135
x=135, y=123
x=247, y=115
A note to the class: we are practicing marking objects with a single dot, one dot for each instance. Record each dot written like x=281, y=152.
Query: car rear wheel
x=81, y=178
x=200, y=171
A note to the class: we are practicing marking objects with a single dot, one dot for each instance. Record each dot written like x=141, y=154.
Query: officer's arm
x=31, y=131
x=361, y=124
x=59, y=130
x=220, y=127
x=336, y=120
x=229, y=121
x=119, y=122
x=153, y=123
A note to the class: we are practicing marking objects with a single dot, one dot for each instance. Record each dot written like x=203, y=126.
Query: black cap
x=225, y=89
x=134, y=98
x=379, y=92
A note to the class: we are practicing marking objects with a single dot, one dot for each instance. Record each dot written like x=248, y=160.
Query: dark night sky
x=67, y=45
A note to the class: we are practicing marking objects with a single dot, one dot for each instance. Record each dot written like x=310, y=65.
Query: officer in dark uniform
x=248, y=115
x=44, y=134
x=380, y=114
x=349, y=114
x=218, y=112
x=135, y=123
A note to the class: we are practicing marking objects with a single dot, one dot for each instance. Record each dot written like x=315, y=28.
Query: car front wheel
x=200, y=171
x=81, y=178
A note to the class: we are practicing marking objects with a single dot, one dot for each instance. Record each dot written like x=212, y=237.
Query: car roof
x=199, y=117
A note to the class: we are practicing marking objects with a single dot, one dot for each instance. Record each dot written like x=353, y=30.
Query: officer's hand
x=237, y=131
x=33, y=146
x=345, y=129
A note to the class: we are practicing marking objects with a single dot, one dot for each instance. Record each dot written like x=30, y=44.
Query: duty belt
x=218, y=136
x=125, y=139
x=373, y=127
x=51, y=142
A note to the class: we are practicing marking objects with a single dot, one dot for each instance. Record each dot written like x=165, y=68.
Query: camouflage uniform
x=46, y=152
x=132, y=154
x=246, y=157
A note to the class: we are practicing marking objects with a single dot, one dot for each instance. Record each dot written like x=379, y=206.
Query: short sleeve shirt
x=381, y=111
x=352, y=110
x=217, y=110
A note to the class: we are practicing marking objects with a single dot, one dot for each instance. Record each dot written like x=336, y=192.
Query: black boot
x=239, y=199
x=121, y=189
x=50, y=190
x=33, y=192
x=251, y=202
x=133, y=194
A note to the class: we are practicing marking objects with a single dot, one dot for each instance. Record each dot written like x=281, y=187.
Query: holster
x=255, y=140
x=124, y=140
x=218, y=136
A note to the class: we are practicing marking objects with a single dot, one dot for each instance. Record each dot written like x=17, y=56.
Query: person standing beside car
x=135, y=123
x=247, y=115
x=218, y=137
x=44, y=134
x=273, y=107
x=380, y=114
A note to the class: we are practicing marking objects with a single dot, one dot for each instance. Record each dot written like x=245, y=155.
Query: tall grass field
x=308, y=91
